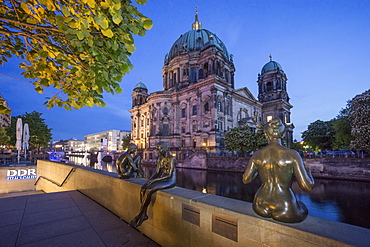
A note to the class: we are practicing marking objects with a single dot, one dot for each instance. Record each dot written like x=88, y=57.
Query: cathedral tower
x=272, y=93
x=140, y=94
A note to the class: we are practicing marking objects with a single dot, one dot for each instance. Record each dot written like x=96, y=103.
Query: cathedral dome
x=196, y=39
x=140, y=85
x=272, y=65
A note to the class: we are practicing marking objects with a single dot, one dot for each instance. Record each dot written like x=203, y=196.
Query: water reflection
x=337, y=200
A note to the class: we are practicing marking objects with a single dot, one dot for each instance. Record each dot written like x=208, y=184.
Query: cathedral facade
x=199, y=103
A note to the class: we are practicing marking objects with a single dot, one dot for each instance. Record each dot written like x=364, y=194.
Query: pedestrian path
x=63, y=219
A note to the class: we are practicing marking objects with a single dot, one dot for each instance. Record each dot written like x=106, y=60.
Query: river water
x=337, y=200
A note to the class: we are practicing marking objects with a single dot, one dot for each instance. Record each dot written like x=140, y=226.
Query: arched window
x=206, y=107
x=269, y=86
x=165, y=111
x=219, y=106
x=205, y=67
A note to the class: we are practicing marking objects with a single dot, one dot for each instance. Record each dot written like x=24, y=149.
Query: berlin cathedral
x=199, y=103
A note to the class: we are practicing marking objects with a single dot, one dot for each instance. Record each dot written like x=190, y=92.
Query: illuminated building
x=110, y=140
x=199, y=102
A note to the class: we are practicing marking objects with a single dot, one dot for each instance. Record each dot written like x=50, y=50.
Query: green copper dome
x=140, y=85
x=196, y=40
x=272, y=65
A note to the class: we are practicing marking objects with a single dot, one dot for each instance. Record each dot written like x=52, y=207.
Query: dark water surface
x=337, y=200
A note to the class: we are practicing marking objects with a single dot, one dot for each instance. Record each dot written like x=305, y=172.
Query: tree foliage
x=244, y=139
x=40, y=134
x=80, y=48
x=125, y=141
x=319, y=135
x=360, y=121
x=4, y=138
x=342, y=129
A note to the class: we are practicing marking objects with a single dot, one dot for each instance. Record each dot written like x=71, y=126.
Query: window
x=220, y=125
x=219, y=106
x=165, y=130
x=206, y=107
x=269, y=118
x=269, y=86
x=182, y=143
x=194, y=128
x=183, y=112
x=204, y=142
x=183, y=130
x=194, y=143
x=195, y=110
x=165, y=111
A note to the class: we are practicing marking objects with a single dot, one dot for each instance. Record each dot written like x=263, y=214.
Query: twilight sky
x=322, y=45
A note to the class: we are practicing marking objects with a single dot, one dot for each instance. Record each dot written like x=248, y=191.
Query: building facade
x=110, y=140
x=69, y=145
x=199, y=103
x=5, y=119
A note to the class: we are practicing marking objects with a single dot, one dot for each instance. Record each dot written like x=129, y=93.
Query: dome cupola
x=196, y=39
x=271, y=65
x=140, y=85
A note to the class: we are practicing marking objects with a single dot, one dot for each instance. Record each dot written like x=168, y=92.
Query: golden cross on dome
x=196, y=25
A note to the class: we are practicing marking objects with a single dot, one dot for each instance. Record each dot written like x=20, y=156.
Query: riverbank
x=335, y=168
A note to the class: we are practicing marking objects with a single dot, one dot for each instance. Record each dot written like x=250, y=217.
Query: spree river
x=337, y=200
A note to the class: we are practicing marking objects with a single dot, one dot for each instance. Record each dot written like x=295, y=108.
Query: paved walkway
x=62, y=219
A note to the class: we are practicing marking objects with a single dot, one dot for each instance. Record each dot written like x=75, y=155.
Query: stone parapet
x=17, y=178
x=182, y=217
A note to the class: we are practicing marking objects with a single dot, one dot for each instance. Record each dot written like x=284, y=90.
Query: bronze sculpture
x=276, y=166
x=128, y=166
x=163, y=178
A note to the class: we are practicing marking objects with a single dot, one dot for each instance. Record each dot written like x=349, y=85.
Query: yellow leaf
x=117, y=6
x=91, y=3
x=24, y=6
x=107, y=33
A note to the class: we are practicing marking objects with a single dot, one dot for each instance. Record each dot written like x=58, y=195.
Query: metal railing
x=59, y=185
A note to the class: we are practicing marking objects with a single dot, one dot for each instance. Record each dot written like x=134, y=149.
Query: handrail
x=59, y=185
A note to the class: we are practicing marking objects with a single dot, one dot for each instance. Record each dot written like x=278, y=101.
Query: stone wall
x=182, y=217
x=19, y=178
x=339, y=168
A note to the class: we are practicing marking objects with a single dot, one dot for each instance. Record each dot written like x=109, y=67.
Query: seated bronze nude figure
x=128, y=166
x=163, y=178
x=276, y=166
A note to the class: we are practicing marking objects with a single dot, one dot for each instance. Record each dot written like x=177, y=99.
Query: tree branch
x=50, y=28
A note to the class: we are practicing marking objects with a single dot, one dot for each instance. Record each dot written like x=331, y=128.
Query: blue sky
x=322, y=45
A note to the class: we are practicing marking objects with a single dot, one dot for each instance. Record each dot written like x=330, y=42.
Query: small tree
x=4, y=138
x=125, y=141
x=40, y=134
x=244, y=140
x=360, y=121
x=342, y=129
x=319, y=134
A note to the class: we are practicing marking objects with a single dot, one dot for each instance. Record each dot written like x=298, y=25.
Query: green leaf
x=43, y=53
x=148, y=24
x=65, y=11
x=104, y=24
x=117, y=19
x=80, y=35
x=131, y=48
x=142, y=2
